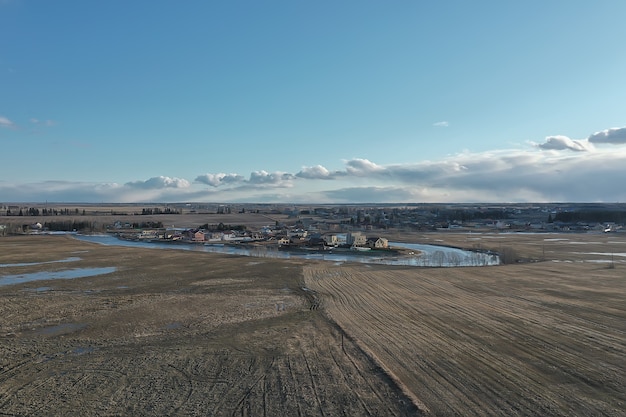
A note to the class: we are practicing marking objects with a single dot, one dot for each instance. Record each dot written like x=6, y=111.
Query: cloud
x=48, y=123
x=315, y=172
x=510, y=175
x=616, y=135
x=159, y=183
x=216, y=180
x=362, y=167
x=6, y=123
x=280, y=179
x=563, y=142
x=441, y=124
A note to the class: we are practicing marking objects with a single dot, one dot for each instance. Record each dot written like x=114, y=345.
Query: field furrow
x=463, y=343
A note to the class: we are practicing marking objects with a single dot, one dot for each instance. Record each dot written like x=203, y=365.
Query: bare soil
x=532, y=339
x=173, y=332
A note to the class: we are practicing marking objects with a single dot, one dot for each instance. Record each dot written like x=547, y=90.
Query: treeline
x=156, y=210
x=33, y=211
x=469, y=215
x=91, y=226
x=72, y=225
x=590, y=216
x=220, y=227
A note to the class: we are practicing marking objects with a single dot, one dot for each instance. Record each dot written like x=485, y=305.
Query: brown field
x=191, y=333
x=101, y=217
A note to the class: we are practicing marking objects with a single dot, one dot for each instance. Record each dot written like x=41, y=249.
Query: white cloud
x=513, y=175
x=362, y=167
x=314, y=172
x=559, y=142
x=216, y=180
x=616, y=135
x=6, y=123
x=159, y=182
x=441, y=124
x=278, y=179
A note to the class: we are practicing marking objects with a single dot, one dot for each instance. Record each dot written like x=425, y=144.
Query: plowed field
x=534, y=339
x=170, y=332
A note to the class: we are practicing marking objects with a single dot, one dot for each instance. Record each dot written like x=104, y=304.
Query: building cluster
x=282, y=237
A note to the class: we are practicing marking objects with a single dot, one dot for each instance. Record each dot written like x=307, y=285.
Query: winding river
x=418, y=255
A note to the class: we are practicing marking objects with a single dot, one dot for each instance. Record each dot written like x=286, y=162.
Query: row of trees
x=589, y=216
x=34, y=211
x=220, y=227
x=157, y=210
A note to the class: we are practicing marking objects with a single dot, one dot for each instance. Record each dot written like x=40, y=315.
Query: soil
x=172, y=332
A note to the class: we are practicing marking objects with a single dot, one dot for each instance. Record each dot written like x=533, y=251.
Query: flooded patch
x=81, y=350
x=66, y=274
x=71, y=259
x=39, y=289
x=61, y=329
x=585, y=243
x=602, y=253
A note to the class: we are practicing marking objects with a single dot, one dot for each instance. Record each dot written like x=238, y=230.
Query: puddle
x=585, y=243
x=173, y=326
x=61, y=329
x=39, y=289
x=602, y=253
x=81, y=350
x=71, y=259
x=66, y=274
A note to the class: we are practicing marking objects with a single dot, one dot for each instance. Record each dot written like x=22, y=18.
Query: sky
x=284, y=101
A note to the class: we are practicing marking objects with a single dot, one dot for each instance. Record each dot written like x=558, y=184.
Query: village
x=324, y=226
x=282, y=238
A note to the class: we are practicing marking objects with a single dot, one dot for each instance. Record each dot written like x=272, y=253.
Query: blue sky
x=312, y=101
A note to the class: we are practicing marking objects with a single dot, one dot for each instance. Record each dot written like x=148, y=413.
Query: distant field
x=108, y=216
x=185, y=333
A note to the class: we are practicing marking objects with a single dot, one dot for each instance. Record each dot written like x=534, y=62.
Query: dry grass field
x=172, y=332
x=102, y=217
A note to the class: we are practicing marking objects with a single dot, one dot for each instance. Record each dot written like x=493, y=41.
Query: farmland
x=172, y=332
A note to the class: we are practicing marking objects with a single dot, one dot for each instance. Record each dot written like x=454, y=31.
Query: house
x=377, y=243
x=356, y=239
x=194, y=235
x=331, y=240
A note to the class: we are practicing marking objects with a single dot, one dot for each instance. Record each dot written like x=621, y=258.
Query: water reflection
x=45, y=275
x=424, y=255
x=71, y=259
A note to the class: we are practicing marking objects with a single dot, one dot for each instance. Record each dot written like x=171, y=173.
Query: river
x=422, y=255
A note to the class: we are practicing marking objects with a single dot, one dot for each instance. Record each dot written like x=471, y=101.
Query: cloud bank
x=559, y=169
